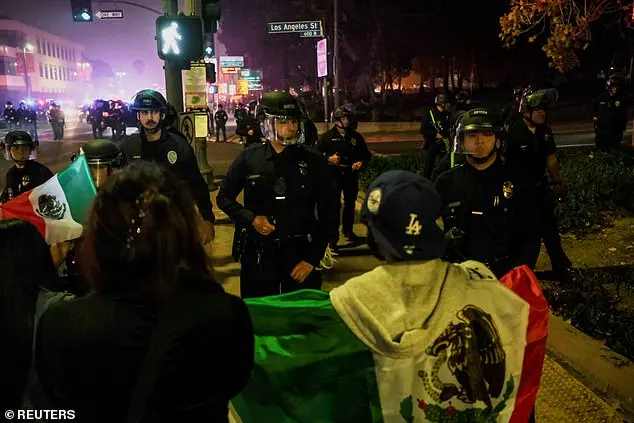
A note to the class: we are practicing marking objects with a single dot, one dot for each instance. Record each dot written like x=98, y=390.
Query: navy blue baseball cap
x=400, y=210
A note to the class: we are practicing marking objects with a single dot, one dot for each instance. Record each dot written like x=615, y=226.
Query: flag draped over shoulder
x=311, y=368
x=58, y=207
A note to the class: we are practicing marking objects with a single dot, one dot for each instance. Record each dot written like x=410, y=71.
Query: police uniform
x=247, y=124
x=611, y=111
x=286, y=188
x=30, y=175
x=28, y=121
x=286, y=183
x=351, y=148
x=10, y=117
x=526, y=155
x=492, y=214
x=220, y=117
x=171, y=151
x=434, y=122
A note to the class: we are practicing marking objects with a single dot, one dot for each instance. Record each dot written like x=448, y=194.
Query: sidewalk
x=562, y=397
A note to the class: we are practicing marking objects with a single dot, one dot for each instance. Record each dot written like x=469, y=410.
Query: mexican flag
x=59, y=206
x=311, y=368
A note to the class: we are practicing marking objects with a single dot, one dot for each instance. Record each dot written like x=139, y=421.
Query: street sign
x=311, y=34
x=187, y=126
x=322, y=58
x=243, y=86
x=301, y=27
x=254, y=86
x=109, y=14
x=230, y=70
x=231, y=61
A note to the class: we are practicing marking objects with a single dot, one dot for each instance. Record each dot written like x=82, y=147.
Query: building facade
x=37, y=65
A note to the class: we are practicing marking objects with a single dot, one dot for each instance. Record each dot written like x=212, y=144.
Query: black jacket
x=351, y=147
x=287, y=188
x=498, y=218
x=434, y=122
x=611, y=111
x=247, y=124
x=173, y=152
x=20, y=180
x=89, y=351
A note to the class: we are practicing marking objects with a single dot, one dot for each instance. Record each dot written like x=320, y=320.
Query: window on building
x=39, y=45
x=41, y=71
x=8, y=66
x=12, y=38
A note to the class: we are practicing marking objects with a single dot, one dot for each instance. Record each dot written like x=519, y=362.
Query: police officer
x=10, y=116
x=249, y=127
x=220, y=117
x=530, y=154
x=156, y=143
x=486, y=216
x=28, y=121
x=452, y=159
x=435, y=131
x=57, y=120
x=26, y=174
x=610, y=115
x=346, y=152
x=279, y=239
x=510, y=111
x=103, y=158
x=239, y=114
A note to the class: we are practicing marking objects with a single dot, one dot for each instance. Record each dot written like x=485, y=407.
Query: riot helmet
x=147, y=102
x=279, y=116
x=463, y=97
x=614, y=82
x=534, y=104
x=253, y=104
x=440, y=100
x=347, y=111
x=517, y=93
x=20, y=145
x=104, y=158
x=8, y=104
x=479, y=134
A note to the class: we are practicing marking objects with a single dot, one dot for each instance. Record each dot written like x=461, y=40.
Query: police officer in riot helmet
x=347, y=153
x=510, y=111
x=156, y=142
x=610, y=115
x=435, y=131
x=279, y=239
x=486, y=217
x=531, y=155
x=26, y=174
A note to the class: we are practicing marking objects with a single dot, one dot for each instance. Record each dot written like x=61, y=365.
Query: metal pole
x=336, y=64
x=194, y=8
x=27, y=85
x=325, y=91
x=173, y=75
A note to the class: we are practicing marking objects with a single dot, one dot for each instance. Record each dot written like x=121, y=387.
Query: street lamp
x=27, y=47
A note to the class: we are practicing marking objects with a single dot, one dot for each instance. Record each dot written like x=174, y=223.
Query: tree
x=566, y=25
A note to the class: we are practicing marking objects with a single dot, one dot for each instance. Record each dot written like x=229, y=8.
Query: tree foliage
x=565, y=24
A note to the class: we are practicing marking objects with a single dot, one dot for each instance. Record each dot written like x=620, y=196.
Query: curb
x=609, y=372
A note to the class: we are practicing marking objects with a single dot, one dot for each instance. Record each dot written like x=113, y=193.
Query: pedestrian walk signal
x=82, y=10
x=179, y=38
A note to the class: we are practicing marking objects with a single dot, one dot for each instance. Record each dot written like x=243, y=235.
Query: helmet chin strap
x=482, y=160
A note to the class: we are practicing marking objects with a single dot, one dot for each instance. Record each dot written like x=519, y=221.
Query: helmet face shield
x=281, y=129
x=100, y=170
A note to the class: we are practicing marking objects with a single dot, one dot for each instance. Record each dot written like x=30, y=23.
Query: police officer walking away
x=249, y=127
x=57, y=120
x=220, y=117
x=346, y=152
x=26, y=174
x=610, y=115
x=486, y=216
x=156, y=143
x=10, y=116
x=279, y=239
x=239, y=114
x=435, y=131
x=530, y=154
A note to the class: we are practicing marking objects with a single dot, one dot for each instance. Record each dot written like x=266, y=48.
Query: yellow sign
x=243, y=86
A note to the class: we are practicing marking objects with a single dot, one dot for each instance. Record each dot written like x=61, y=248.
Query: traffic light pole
x=194, y=8
x=173, y=74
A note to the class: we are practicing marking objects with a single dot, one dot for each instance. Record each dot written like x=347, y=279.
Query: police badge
x=617, y=103
x=303, y=168
x=26, y=181
x=353, y=141
x=280, y=186
x=507, y=189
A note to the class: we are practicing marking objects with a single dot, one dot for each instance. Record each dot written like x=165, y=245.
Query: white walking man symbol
x=171, y=37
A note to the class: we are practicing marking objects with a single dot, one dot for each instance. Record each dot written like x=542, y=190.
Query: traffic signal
x=211, y=15
x=179, y=38
x=210, y=72
x=82, y=10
